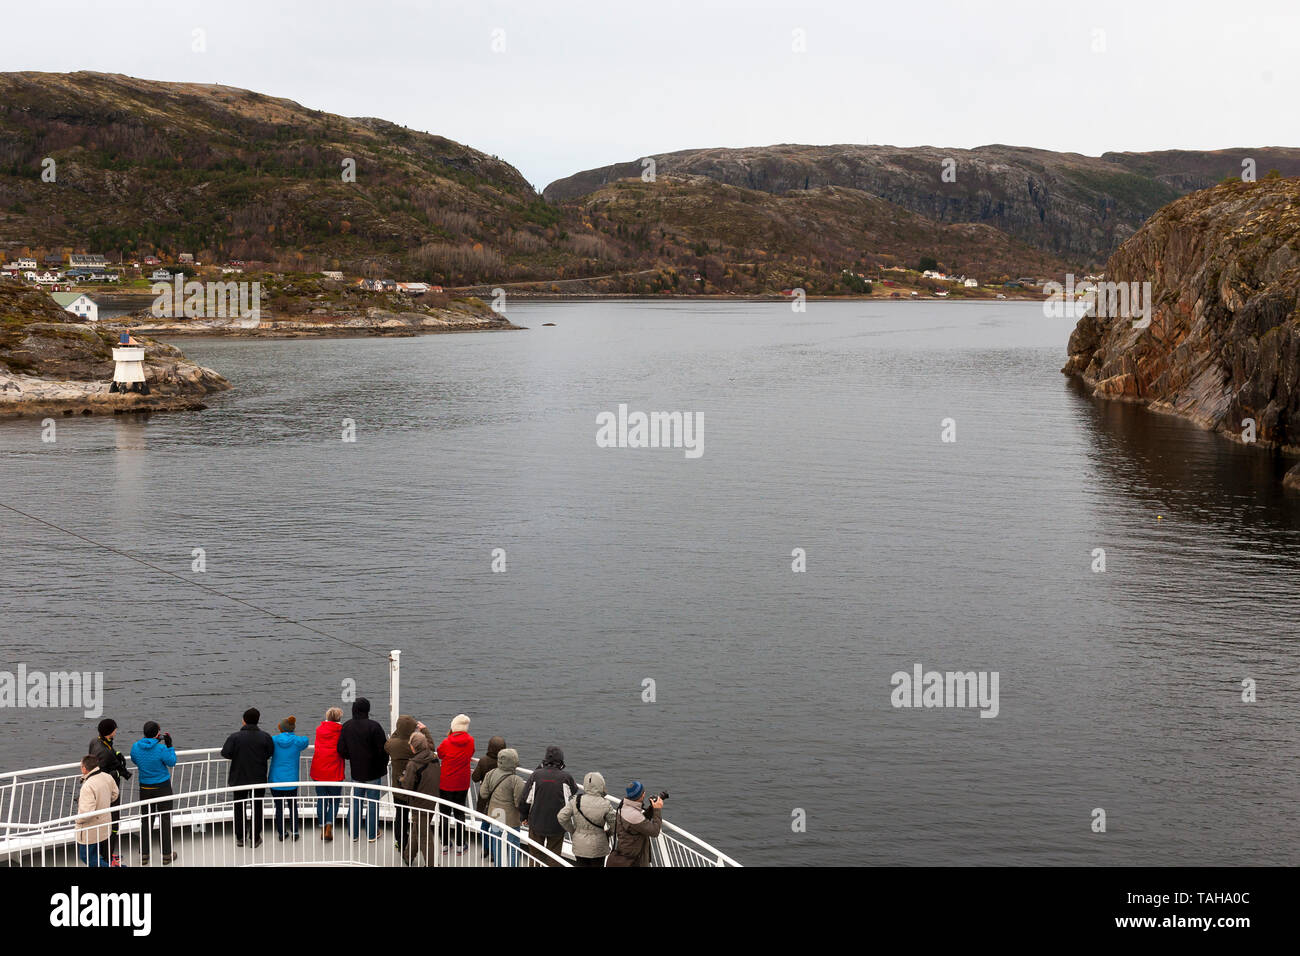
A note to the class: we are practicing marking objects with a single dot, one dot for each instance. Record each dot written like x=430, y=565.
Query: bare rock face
x=1224, y=340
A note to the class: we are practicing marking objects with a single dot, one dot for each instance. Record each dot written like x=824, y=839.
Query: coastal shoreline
x=325, y=332
x=620, y=297
x=93, y=405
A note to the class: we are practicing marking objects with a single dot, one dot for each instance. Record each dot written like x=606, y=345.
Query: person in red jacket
x=326, y=764
x=455, y=752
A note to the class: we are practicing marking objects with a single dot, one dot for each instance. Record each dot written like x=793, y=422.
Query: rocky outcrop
x=1223, y=345
x=52, y=366
x=326, y=322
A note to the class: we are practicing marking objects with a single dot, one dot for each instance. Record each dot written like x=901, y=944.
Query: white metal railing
x=242, y=826
x=45, y=794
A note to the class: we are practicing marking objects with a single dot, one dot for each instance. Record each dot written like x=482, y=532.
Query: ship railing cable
x=194, y=584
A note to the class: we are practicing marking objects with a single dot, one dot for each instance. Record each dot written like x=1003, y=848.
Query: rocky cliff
x=1224, y=340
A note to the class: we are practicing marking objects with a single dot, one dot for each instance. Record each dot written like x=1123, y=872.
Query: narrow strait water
x=1118, y=690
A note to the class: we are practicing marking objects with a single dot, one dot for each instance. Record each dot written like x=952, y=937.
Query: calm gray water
x=1119, y=690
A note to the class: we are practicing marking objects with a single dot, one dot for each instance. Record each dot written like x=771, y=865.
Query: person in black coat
x=545, y=794
x=249, y=750
x=361, y=744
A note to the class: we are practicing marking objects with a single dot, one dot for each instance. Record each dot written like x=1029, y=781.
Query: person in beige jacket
x=98, y=791
x=504, y=788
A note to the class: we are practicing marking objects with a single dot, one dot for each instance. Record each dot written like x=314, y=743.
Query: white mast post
x=394, y=700
x=394, y=689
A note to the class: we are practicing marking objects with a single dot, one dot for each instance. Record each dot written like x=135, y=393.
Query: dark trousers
x=402, y=825
x=553, y=843
x=162, y=810
x=327, y=803
x=421, y=841
x=93, y=854
x=114, y=840
x=242, y=806
x=458, y=798
x=285, y=799
x=588, y=860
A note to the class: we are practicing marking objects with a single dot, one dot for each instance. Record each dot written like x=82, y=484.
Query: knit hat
x=459, y=724
x=151, y=728
x=289, y=725
x=635, y=790
x=107, y=726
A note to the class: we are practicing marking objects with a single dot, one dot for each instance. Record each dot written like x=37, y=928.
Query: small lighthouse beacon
x=129, y=374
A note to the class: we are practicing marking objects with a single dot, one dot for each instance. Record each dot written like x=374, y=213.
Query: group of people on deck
x=548, y=802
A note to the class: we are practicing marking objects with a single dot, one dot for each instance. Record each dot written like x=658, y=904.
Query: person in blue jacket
x=284, y=767
x=154, y=757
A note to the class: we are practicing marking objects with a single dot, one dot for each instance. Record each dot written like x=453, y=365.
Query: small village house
x=78, y=303
x=90, y=260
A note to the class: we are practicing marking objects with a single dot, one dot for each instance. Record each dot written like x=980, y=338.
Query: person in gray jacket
x=590, y=819
x=503, y=788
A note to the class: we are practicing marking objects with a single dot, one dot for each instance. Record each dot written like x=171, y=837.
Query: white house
x=48, y=278
x=27, y=264
x=972, y=283
x=86, y=261
x=329, y=274
x=413, y=288
x=78, y=303
x=160, y=275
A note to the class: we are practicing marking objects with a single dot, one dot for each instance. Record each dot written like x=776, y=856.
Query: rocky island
x=52, y=364
x=1223, y=344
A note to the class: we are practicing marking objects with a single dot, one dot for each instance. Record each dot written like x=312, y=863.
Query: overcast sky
x=581, y=84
